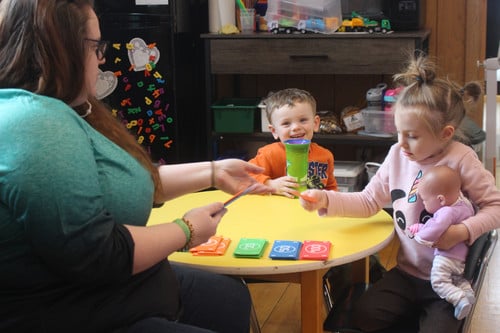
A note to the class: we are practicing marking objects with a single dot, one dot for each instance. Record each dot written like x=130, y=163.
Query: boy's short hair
x=289, y=97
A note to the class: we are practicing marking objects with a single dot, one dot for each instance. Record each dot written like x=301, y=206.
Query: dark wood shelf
x=341, y=139
x=419, y=34
x=248, y=56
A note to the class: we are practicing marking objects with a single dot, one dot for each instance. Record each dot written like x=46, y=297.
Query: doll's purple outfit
x=448, y=265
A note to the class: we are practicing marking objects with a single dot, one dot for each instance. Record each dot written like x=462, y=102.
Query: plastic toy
x=287, y=26
x=358, y=23
x=290, y=25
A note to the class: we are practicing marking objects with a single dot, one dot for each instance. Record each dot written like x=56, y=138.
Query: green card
x=250, y=248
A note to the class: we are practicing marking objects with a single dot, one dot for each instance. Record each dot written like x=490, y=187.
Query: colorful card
x=210, y=245
x=250, y=248
x=285, y=249
x=315, y=250
x=215, y=246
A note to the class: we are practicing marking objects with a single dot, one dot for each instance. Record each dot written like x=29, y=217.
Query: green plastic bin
x=235, y=115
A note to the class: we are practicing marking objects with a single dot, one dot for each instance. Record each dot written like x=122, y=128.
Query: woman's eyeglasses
x=101, y=47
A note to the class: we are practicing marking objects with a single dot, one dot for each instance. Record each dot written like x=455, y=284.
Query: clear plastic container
x=322, y=16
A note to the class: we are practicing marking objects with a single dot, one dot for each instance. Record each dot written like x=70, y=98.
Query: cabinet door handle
x=309, y=57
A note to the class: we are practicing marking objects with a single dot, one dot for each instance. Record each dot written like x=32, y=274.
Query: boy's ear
x=317, y=122
x=273, y=132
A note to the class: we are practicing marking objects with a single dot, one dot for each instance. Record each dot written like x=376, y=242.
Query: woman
x=76, y=191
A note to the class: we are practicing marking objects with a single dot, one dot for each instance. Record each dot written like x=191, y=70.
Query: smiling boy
x=292, y=115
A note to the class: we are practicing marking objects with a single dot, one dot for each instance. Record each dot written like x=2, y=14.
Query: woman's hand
x=455, y=234
x=233, y=175
x=312, y=200
x=286, y=186
x=204, y=221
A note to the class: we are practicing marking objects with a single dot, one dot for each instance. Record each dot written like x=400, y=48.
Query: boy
x=292, y=115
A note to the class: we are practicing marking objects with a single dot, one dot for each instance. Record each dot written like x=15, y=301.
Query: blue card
x=285, y=249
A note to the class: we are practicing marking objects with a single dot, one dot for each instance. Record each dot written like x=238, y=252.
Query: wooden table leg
x=313, y=309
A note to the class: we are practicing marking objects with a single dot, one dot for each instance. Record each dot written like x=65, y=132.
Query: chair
x=254, y=321
x=340, y=309
x=476, y=265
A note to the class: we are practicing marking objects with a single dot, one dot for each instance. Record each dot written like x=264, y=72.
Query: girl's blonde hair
x=438, y=102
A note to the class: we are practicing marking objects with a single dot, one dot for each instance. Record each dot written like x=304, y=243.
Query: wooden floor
x=278, y=304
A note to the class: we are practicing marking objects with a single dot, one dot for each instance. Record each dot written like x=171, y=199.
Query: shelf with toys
x=253, y=64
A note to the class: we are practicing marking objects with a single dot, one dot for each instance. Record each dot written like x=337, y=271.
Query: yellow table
x=279, y=218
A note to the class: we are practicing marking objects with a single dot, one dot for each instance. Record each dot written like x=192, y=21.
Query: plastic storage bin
x=323, y=16
x=349, y=175
x=264, y=123
x=379, y=122
x=235, y=115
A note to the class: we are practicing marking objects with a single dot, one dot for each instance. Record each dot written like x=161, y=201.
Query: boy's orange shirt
x=272, y=158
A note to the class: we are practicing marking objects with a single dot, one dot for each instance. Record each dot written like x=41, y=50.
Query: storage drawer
x=309, y=56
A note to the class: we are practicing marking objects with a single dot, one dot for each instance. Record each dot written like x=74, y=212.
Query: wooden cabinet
x=251, y=65
x=311, y=54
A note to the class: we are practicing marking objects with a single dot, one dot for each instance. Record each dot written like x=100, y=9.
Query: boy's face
x=296, y=122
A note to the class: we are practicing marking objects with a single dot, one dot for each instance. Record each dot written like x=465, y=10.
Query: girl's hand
x=286, y=186
x=455, y=234
x=233, y=175
x=204, y=221
x=312, y=200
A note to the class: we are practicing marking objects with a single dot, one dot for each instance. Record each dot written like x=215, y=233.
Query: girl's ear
x=447, y=132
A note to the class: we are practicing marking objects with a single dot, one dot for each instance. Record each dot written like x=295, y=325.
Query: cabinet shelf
x=322, y=139
x=311, y=55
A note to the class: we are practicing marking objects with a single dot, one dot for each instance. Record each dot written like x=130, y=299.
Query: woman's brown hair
x=42, y=50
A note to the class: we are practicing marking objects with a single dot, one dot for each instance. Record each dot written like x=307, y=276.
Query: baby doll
x=440, y=192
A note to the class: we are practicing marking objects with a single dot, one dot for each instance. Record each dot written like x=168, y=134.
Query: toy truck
x=358, y=23
x=287, y=26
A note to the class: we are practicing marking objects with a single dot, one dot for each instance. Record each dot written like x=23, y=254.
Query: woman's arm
x=155, y=243
x=230, y=175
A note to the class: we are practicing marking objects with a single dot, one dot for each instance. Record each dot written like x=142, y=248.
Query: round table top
x=273, y=218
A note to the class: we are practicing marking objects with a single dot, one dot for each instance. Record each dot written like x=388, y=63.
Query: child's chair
x=339, y=316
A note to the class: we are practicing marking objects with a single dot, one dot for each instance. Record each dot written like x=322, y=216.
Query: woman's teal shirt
x=64, y=191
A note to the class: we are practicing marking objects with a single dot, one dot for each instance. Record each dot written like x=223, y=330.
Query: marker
x=239, y=195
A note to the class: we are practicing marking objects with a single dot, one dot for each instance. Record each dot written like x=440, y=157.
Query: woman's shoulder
x=22, y=104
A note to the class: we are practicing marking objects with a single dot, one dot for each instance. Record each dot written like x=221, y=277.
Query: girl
x=428, y=114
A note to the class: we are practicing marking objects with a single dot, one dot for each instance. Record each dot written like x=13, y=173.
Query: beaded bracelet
x=188, y=230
